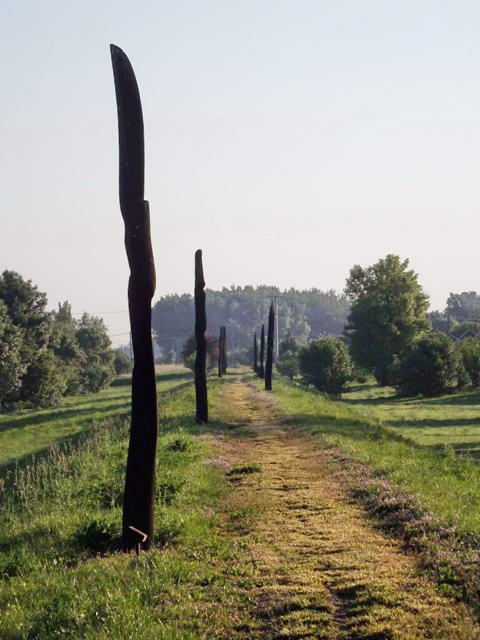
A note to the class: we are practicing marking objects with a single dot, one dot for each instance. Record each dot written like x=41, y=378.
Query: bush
x=432, y=366
x=326, y=364
x=469, y=351
x=121, y=362
x=189, y=351
x=288, y=365
x=43, y=384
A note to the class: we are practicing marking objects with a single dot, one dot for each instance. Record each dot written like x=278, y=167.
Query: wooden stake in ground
x=270, y=338
x=261, y=368
x=255, y=352
x=201, y=356
x=224, y=349
x=220, y=357
x=139, y=497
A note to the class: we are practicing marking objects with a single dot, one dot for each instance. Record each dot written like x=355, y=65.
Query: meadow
x=445, y=484
x=28, y=432
x=452, y=419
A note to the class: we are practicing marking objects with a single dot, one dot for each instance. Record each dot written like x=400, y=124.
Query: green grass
x=27, y=432
x=452, y=419
x=60, y=575
x=445, y=484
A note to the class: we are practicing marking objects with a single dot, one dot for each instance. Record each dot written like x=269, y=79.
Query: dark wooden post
x=269, y=363
x=261, y=368
x=255, y=352
x=139, y=496
x=220, y=357
x=201, y=356
x=224, y=349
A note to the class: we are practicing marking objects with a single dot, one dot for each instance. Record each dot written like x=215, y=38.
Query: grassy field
x=445, y=420
x=60, y=575
x=446, y=484
x=26, y=432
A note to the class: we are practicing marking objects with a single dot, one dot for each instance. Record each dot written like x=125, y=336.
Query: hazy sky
x=288, y=140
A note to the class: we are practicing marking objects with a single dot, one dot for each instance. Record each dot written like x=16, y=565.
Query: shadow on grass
x=434, y=423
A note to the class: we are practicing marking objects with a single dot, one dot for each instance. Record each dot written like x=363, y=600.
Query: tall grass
x=60, y=575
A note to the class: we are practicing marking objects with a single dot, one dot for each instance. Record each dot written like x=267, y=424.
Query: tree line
x=390, y=334
x=46, y=355
x=306, y=314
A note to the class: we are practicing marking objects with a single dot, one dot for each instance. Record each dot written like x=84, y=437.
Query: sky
x=289, y=140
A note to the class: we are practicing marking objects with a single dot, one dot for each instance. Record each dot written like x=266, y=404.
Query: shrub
x=189, y=351
x=121, y=362
x=326, y=364
x=43, y=384
x=469, y=351
x=288, y=365
x=431, y=366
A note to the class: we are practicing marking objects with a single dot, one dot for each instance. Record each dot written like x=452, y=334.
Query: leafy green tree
x=189, y=351
x=326, y=364
x=389, y=312
x=65, y=346
x=431, y=366
x=465, y=306
x=11, y=366
x=121, y=362
x=97, y=364
x=288, y=364
x=469, y=351
x=44, y=383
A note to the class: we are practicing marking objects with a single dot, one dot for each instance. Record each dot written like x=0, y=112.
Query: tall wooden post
x=261, y=367
x=270, y=339
x=201, y=356
x=139, y=496
x=220, y=356
x=255, y=352
x=224, y=349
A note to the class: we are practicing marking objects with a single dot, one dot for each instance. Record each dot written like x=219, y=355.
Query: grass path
x=321, y=569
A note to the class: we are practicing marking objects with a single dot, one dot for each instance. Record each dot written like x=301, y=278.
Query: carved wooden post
x=261, y=369
x=269, y=363
x=255, y=352
x=200, y=328
x=220, y=356
x=139, y=497
x=224, y=349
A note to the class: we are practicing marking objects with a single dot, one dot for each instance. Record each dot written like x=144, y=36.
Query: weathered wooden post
x=261, y=368
x=255, y=352
x=270, y=338
x=220, y=357
x=139, y=497
x=201, y=356
x=224, y=349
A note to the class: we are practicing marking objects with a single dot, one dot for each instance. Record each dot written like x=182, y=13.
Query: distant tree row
x=306, y=314
x=45, y=355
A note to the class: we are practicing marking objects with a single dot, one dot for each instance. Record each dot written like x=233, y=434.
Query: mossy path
x=320, y=568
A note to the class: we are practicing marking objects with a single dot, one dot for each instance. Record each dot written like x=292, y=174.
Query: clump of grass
x=245, y=469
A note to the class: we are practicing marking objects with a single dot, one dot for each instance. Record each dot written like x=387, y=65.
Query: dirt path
x=320, y=569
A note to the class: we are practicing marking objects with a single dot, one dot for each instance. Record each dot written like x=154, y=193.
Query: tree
x=201, y=343
x=326, y=364
x=431, y=366
x=270, y=340
x=469, y=351
x=255, y=352
x=389, y=312
x=43, y=384
x=121, y=362
x=65, y=346
x=464, y=306
x=287, y=363
x=11, y=366
x=97, y=365
x=189, y=351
